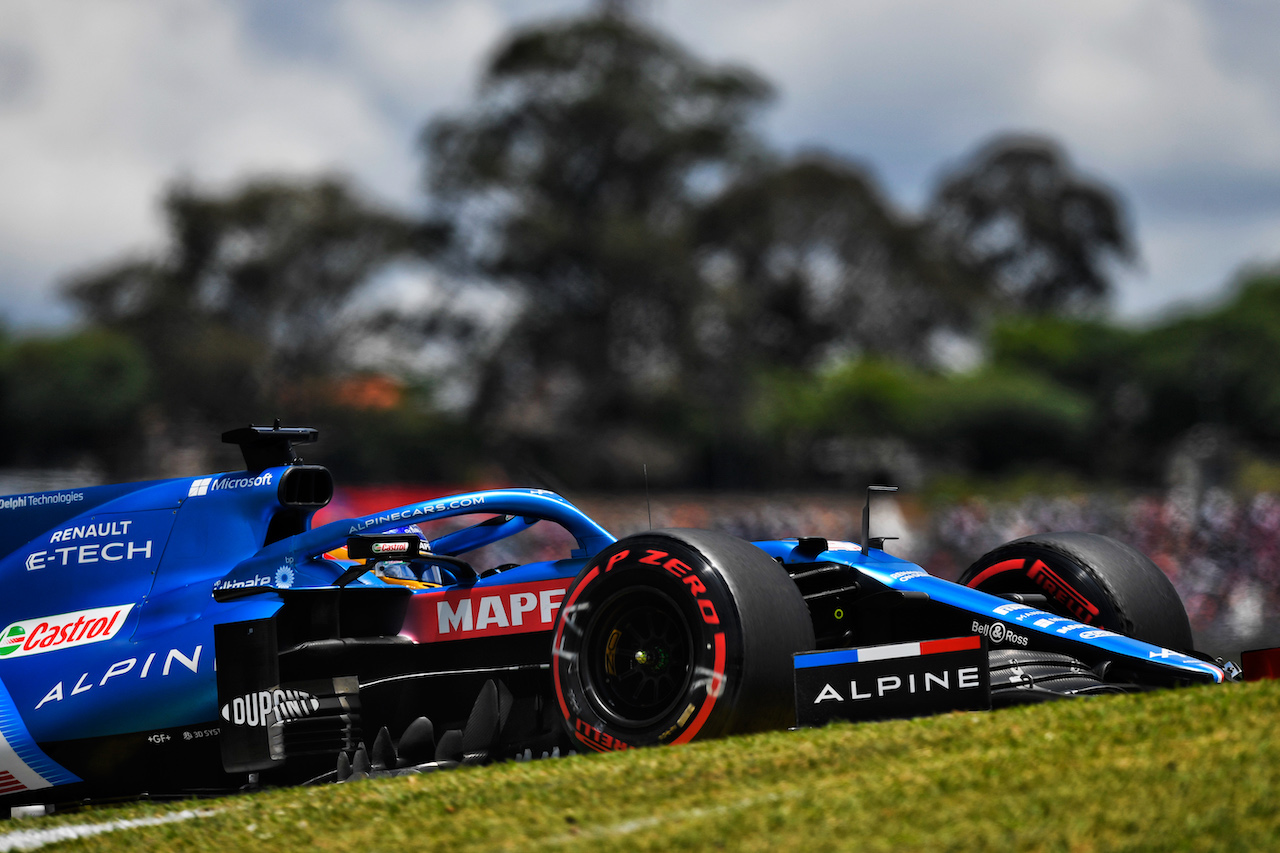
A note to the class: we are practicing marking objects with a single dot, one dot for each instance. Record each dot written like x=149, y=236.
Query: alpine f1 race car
x=197, y=636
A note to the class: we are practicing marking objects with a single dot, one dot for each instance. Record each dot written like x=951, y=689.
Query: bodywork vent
x=309, y=486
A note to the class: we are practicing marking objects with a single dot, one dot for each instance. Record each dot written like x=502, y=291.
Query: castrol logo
x=390, y=547
x=50, y=633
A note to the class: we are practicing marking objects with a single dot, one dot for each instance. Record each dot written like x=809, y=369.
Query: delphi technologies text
x=50, y=499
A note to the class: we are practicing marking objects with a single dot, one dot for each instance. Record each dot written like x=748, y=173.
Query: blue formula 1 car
x=196, y=635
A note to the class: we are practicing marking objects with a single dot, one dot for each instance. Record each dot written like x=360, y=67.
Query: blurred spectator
x=1221, y=553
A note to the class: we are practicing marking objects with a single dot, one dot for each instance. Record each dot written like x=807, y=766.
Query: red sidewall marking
x=713, y=690
x=718, y=668
x=1057, y=585
x=1002, y=566
x=564, y=709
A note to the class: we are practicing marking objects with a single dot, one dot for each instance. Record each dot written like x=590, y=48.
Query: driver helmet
x=406, y=572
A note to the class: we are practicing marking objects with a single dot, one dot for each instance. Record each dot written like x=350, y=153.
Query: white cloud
x=122, y=98
x=1191, y=262
x=1145, y=89
x=102, y=104
x=424, y=56
x=1174, y=103
x=1127, y=80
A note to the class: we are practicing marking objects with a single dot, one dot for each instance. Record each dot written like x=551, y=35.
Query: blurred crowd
x=1222, y=552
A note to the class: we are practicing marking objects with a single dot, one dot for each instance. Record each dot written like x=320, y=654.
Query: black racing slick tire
x=1089, y=578
x=672, y=635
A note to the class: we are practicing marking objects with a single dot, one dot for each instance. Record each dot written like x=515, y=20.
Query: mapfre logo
x=492, y=611
x=50, y=633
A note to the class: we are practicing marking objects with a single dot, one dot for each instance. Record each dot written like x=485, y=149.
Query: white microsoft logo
x=199, y=487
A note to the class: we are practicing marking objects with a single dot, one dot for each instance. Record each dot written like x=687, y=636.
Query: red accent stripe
x=956, y=644
x=8, y=784
x=1002, y=566
x=555, y=642
x=713, y=690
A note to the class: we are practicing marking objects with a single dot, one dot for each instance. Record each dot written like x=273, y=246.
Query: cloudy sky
x=1174, y=103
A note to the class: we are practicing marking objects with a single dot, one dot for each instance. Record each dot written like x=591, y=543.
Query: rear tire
x=676, y=634
x=1092, y=579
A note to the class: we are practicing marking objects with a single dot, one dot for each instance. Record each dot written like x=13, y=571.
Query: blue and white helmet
x=404, y=570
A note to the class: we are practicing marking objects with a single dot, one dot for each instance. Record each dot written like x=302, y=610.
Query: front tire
x=1092, y=579
x=675, y=634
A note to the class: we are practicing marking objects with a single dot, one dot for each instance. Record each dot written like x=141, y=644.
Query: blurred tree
x=1018, y=216
x=630, y=267
x=251, y=296
x=1217, y=367
x=1097, y=360
x=810, y=262
x=873, y=418
x=576, y=181
x=807, y=264
x=72, y=398
x=1152, y=388
x=657, y=255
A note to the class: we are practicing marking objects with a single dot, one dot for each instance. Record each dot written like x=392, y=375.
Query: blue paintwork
x=908, y=577
x=168, y=546
x=158, y=550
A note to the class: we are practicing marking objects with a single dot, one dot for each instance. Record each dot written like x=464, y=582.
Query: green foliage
x=1149, y=388
x=409, y=442
x=671, y=290
x=248, y=298
x=1191, y=769
x=808, y=259
x=1000, y=418
x=1218, y=367
x=583, y=156
x=1018, y=217
x=662, y=259
x=1081, y=353
x=987, y=421
x=68, y=398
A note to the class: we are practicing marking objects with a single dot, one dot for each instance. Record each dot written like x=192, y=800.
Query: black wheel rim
x=638, y=654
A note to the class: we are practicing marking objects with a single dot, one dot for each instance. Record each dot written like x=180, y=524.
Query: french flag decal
x=806, y=660
x=894, y=680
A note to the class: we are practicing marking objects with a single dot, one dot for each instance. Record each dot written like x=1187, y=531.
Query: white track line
x=627, y=827
x=30, y=839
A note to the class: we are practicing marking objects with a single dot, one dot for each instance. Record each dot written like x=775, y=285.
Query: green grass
x=1195, y=769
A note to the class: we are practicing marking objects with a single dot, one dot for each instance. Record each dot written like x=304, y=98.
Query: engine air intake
x=308, y=486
